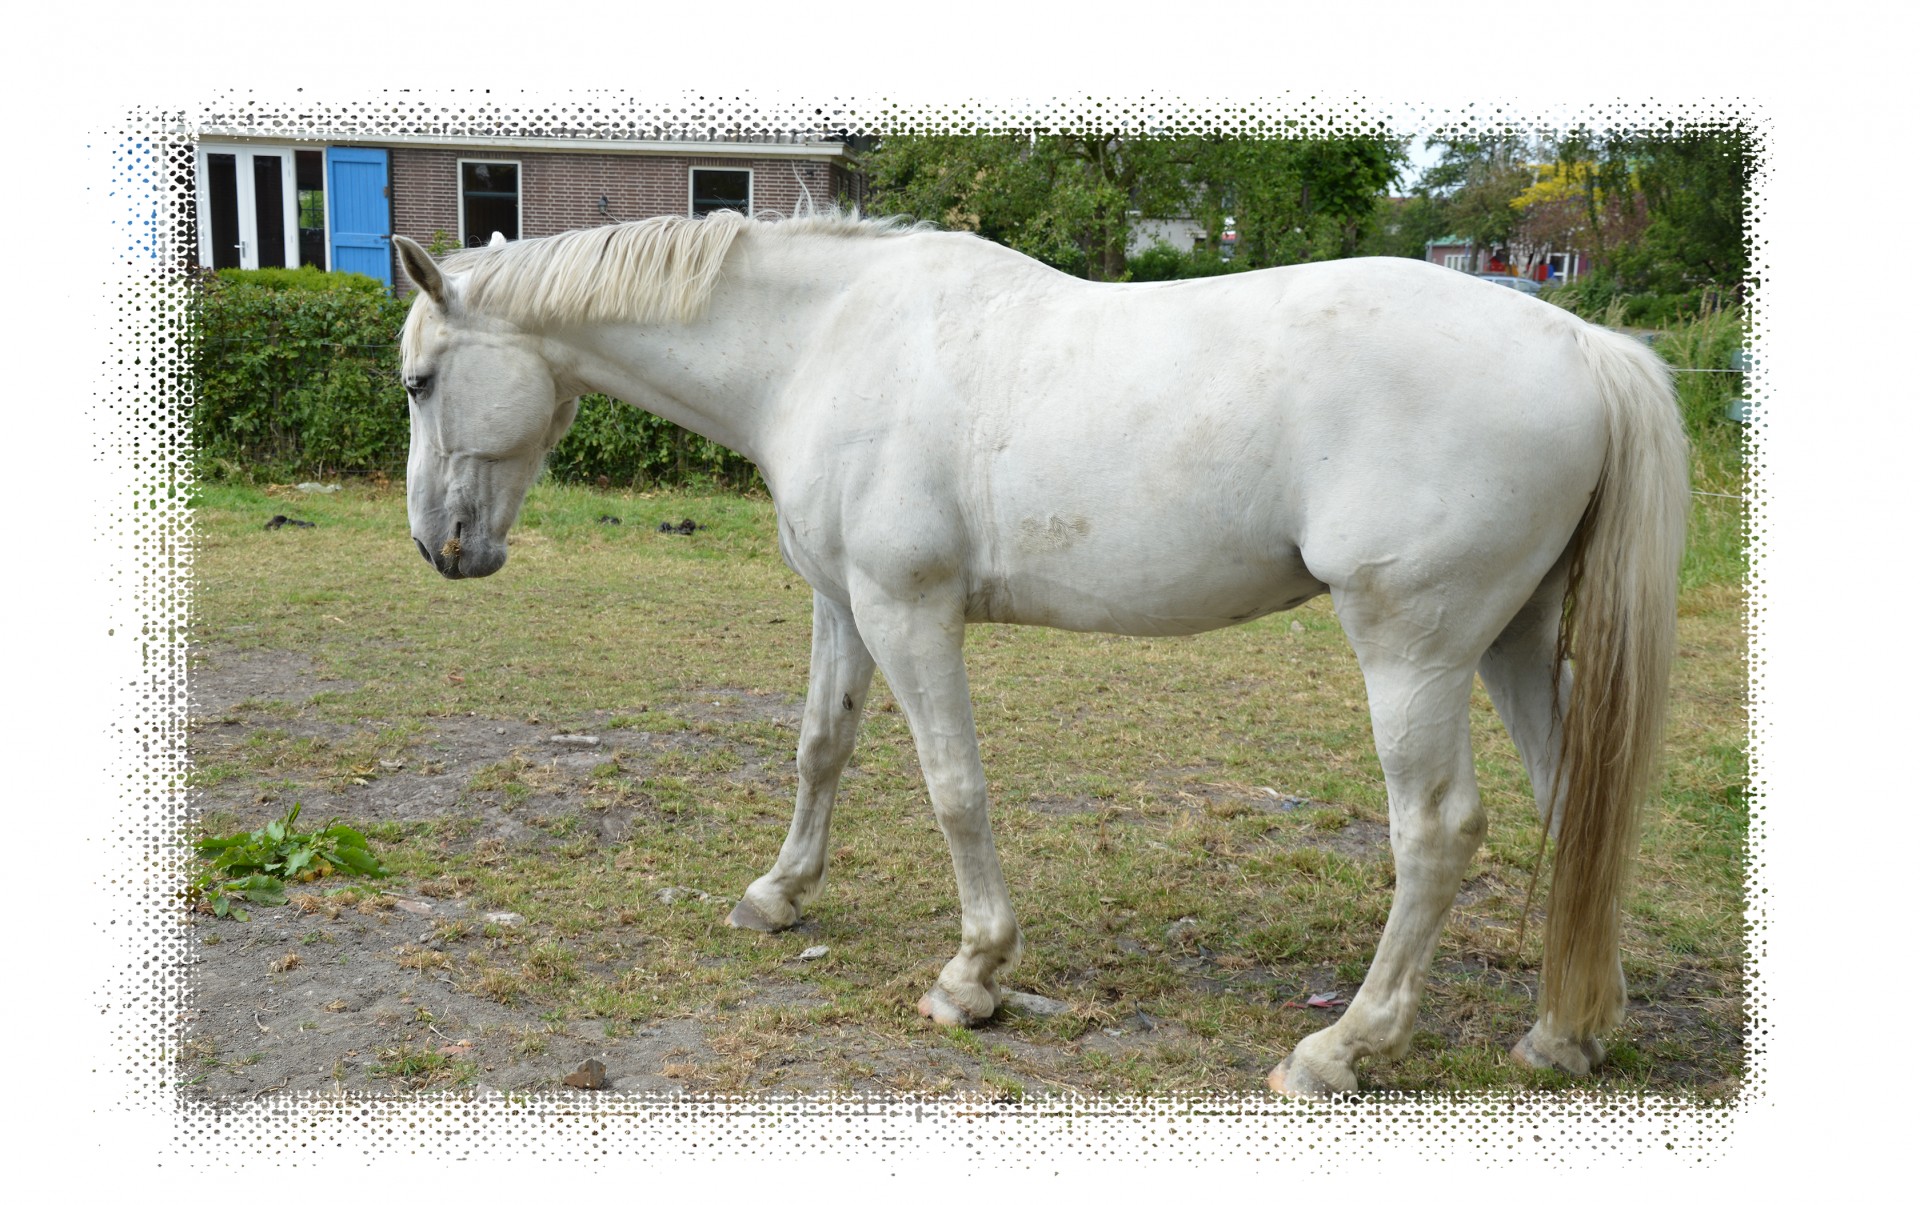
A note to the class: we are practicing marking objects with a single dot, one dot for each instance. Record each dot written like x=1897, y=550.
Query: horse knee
x=820, y=756
x=1448, y=815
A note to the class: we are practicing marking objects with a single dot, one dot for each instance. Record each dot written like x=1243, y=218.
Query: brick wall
x=562, y=191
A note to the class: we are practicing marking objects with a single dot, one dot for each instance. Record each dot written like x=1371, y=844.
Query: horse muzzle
x=460, y=557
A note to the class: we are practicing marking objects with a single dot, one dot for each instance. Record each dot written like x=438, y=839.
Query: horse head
x=485, y=408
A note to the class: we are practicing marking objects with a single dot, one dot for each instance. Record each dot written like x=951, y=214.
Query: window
x=246, y=197
x=489, y=201
x=1457, y=262
x=310, y=206
x=721, y=188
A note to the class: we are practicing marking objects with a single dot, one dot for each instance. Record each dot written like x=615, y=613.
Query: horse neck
x=722, y=375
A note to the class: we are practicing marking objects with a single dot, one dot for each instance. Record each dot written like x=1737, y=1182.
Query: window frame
x=692, y=169
x=519, y=195
x=244, y=200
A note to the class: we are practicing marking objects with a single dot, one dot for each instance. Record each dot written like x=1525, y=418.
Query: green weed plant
x=257, y=866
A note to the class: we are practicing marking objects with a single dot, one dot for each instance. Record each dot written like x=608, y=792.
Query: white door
x=247, y=206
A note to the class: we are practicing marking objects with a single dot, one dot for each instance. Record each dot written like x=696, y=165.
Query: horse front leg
x=920, y=648
x=836, y=696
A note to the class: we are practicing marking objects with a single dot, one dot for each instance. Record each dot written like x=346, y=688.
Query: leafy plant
x=257, y=866
x=296, y=374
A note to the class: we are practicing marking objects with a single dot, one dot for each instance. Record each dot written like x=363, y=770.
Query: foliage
x=257, y=866
x=296, y=375
x=1477, y=181
x=295, y=378
x=1071, y=200
x=1160, y=260
x=629, y=447
x=1659, y=214
x=1403, y=226
x=1696, y=183
x=306, y=278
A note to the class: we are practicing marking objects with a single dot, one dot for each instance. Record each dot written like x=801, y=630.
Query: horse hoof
x=1295, y=1078
x=746, y=916
x=942, y=1009
x=1574, y=1057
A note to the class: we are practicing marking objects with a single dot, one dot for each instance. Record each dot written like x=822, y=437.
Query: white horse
x=954, y=433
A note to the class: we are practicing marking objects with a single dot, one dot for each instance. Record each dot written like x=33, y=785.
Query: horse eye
x=418, y=385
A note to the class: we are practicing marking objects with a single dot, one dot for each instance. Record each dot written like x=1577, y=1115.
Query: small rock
x=592, y=1074
x=503, y=918
x=1295, y=627
x=499, y=731
x=1034, y=1006
x=669, y=895
x=573, y=738
x=314, y=487
x=1183, y=930
x=813, y=952
x=417, y=907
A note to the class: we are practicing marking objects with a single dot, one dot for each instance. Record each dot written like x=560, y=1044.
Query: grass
x=1229, y=779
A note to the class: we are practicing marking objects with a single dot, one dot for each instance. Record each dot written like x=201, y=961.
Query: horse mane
x=660, y=269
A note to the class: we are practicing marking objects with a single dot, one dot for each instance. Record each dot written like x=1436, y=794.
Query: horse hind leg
x=1418, y=694
x=842, y=671
x=1522, y=673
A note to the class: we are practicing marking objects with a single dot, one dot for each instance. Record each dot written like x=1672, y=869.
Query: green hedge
x=297, y=376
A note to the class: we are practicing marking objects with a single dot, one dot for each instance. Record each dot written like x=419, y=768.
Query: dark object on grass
x=685, y=527
x=613, y=519
x=283, y=521
x=592, y=1074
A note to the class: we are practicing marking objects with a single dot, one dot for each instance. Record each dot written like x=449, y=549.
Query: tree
x=1474, y=184
x=1071, y=200
x=1064, y=199
x=1692, y=184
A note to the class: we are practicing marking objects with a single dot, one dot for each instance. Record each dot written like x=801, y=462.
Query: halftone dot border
x=140, y=426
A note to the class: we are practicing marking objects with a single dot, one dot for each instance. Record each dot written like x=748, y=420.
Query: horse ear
x=498, y=240
x=420, y=269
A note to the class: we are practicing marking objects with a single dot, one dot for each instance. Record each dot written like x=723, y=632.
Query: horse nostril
x=424, y=554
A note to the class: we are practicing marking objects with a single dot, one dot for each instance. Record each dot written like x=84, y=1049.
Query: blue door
x=359, y=213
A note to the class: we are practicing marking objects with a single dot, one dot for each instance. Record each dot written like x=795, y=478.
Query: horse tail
x=1618, y=625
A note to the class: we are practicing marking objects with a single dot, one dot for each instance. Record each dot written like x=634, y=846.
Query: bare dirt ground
x=348, y=999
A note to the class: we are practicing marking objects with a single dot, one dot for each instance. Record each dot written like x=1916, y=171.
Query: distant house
x=336, y=202
x=1541, y=264
x=1182, y=234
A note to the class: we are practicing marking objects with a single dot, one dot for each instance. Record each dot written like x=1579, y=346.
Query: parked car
x=1526, y=286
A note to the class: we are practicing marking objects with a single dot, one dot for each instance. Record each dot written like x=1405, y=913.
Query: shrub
x=1161, y=261
x=297, y=375
x=305, y=278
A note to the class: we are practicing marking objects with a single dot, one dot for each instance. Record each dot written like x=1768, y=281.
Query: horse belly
x=1057, y=574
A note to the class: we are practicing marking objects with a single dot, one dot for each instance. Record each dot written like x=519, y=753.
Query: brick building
x=336, y=205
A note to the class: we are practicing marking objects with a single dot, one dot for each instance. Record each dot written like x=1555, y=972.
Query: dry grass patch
x=1193, y=830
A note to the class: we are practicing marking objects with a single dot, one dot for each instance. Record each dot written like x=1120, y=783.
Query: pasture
x=1193, y=830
